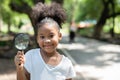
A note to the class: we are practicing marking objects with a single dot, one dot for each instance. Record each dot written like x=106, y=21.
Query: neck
x=49, y=54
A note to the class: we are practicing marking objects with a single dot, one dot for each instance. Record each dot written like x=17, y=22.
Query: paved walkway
x=7, y=69
x=94, y=60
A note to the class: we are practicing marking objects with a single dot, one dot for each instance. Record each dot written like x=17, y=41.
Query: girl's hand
x=19, y=60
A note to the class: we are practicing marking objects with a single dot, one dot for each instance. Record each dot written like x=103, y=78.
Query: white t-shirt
x=39, y=70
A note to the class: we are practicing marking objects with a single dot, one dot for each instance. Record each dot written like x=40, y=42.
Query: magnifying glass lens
x=21, y=41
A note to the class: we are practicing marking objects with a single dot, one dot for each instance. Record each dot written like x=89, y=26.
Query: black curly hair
x=54, y=12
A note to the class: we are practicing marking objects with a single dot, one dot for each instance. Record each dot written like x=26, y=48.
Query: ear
x=60, y=35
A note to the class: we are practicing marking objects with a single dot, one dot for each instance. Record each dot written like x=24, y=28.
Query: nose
x=47, y=40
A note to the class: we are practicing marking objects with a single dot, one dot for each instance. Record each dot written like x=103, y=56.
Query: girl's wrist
x=19, y=68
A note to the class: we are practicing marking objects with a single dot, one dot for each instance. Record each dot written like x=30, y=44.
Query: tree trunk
x=113, y=11
x=24, y=8
x=104, y=16
x=36, y=1
x=58, y=1
x=99, y=26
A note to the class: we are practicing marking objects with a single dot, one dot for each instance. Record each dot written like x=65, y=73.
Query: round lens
x=21, y=41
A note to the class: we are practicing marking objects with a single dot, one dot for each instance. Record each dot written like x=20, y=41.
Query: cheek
x=39, y=42
x=56, y=40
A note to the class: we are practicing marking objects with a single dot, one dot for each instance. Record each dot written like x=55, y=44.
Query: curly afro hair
x=54, y=11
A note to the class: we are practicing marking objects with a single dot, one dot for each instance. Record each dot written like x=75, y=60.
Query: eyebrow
x=43, y=34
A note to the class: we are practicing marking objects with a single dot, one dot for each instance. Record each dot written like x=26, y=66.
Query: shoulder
x=66, y=60
x=32, y=52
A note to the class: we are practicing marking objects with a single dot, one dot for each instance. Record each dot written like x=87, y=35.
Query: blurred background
x=94, y=19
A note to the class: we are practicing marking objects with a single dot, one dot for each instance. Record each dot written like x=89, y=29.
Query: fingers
x=19, y=58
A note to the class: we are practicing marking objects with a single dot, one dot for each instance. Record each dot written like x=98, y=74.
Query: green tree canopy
x=100, y=10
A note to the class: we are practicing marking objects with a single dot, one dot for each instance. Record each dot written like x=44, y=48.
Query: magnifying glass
x=22, y=41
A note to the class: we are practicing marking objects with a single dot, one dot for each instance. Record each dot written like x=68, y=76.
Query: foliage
x=69, y=7
x=78, y=10
x=83, y=9
x=10, y=17
x=109, y=25
x=89, y=9
x=29, y=2
x=5, y=11
x=6, y=14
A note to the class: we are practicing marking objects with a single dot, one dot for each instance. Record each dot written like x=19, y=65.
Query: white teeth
x=48, y=46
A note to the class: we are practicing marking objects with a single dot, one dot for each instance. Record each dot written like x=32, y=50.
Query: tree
x=25, y=6
x=6, y=14
x=109, y=5
x=102, y=10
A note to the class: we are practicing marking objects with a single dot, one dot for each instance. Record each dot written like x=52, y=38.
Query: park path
x=92, y=59
x=7, y=69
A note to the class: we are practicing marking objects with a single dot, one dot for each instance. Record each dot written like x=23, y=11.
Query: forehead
x=48, y=21
x=48, y=27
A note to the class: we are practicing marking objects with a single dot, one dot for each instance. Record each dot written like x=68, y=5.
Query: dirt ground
x=7, y=69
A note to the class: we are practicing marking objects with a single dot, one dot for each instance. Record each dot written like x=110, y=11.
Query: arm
x=22, y=73
x=69, y=79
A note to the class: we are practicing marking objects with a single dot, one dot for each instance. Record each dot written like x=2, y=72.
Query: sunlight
x=90, y=50
x=105, y=57
x=104, y=73
x=72, y=46
x=109, y=48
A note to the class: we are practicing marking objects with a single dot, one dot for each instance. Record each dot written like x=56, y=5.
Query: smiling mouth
x=48, y=46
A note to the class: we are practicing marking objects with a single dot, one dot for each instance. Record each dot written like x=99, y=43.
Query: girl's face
x=48, y=37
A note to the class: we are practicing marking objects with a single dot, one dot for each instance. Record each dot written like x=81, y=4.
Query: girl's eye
x=51, y=36
x=42, y=37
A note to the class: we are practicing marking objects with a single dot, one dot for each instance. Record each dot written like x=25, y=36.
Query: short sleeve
x=71, y=71
x=27, y=64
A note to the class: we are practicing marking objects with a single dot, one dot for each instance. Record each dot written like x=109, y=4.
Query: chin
x=49, y=51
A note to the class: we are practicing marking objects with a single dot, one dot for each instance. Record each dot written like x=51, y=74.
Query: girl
x=45, y=63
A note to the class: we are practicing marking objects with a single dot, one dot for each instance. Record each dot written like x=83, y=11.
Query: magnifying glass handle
x=22, y=51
